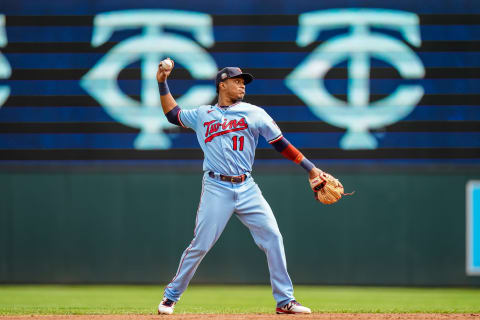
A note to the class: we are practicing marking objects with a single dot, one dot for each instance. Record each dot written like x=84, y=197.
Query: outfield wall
x=403, y=228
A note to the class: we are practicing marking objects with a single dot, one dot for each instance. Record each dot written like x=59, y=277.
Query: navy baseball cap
x=232, y=72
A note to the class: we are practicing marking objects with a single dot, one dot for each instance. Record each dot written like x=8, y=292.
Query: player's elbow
x=173, y=116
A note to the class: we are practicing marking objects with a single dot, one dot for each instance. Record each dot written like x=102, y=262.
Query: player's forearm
x=166, y=98
x=283, y=146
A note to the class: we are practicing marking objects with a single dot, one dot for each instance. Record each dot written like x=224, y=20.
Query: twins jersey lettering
x=231, y=125
x=228, y=136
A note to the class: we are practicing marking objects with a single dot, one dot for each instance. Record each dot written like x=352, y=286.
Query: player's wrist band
x=163, y=88
x=307, y=165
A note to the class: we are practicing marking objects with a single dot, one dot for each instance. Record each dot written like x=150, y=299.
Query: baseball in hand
x=167, y=64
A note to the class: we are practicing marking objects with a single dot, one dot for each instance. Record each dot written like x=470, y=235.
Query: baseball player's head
x=231, y=81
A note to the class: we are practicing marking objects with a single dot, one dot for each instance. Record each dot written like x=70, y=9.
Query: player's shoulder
x=204, y=107
x=251, y=107
x=200, y=109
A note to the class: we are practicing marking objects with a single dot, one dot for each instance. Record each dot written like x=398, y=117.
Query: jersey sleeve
x=188, y=118
x=268, y=128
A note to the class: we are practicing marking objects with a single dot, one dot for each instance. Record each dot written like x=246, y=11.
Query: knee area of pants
x=201, y=251
x=275, y=236
x=276, y=233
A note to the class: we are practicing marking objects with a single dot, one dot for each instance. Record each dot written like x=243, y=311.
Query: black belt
x=232, y=179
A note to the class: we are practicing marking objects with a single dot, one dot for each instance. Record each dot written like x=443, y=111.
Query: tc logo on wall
x=358, y=46
x=151, y=46
x=5, y=70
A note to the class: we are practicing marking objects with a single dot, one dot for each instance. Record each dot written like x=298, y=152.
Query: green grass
x=49, y=299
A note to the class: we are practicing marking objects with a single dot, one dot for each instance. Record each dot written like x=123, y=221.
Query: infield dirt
x=320, y=316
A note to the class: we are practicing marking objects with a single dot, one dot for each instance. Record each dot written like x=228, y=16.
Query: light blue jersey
x=229, y=136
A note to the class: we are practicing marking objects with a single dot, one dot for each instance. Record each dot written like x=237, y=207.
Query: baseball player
x=228, y=134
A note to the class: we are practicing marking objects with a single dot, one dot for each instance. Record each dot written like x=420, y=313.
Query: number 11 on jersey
x=240, y=139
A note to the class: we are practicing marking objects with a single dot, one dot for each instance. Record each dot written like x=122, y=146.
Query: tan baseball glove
x=327, y=189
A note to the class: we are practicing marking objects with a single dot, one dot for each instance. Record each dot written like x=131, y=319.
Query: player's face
x=235, y=88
